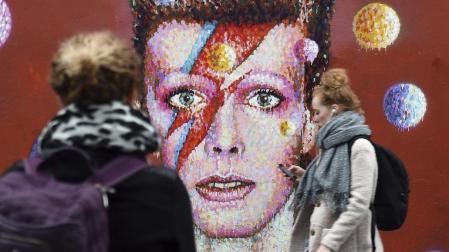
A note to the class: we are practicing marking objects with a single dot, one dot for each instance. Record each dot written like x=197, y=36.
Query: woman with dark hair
x=339, y=185
x=96, y=77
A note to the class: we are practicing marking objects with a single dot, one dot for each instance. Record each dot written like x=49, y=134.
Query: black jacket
x=150, y=211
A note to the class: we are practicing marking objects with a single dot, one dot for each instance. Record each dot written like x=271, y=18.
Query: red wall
x=420, y=55
x=26, y=100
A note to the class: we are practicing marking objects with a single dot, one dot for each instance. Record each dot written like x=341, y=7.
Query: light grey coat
x=351, y=231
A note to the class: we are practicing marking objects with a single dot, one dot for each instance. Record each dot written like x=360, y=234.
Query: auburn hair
x=334, y=88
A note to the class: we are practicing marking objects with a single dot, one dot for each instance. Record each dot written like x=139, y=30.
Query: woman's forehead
x=254, y=47
x=316, y=101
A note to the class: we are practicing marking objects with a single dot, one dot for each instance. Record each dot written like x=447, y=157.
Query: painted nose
x=223, y=139
x=216, y=150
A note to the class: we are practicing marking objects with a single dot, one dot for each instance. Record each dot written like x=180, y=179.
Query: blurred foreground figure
x=90, y=188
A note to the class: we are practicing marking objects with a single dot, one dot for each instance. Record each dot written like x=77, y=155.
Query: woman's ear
x=335, y=109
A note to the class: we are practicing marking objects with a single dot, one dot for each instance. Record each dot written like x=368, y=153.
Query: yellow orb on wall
x=376, y=26
x=221, y=57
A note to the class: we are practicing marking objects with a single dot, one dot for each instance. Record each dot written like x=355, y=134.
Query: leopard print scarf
x=115, y=126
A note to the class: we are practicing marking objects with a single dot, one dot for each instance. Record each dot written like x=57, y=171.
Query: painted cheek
x=190, y=174
x=160, y=113
x=260, y=132
x=168, y=151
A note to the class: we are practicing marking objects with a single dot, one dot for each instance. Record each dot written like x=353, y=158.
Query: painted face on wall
x=228, y=101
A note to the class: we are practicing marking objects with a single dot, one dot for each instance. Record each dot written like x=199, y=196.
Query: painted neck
x=272, y=236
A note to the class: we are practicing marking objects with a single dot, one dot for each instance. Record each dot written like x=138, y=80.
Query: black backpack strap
x=115, y=172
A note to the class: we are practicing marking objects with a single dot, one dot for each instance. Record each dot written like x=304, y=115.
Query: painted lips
x=225, y=189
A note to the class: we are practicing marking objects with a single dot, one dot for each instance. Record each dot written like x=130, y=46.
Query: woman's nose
x=223, y=138
x=315, y=119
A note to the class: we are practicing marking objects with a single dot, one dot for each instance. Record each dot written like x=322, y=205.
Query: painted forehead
x=263, y=47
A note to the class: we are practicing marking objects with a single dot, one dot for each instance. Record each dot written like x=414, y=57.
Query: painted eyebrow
x=262, y=76
x=269, y=79
x=174, y=77
x=177, y=79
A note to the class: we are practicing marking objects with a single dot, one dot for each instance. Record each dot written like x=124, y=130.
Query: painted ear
x=306, y=50
x=308, y=136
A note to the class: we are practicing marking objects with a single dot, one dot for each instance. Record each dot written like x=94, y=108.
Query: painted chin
x=225, y=190
x=232, y=232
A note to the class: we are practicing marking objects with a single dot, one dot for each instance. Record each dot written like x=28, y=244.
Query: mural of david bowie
x=227, y=85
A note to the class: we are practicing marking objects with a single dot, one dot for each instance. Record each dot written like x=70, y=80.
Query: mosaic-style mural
x=260, y=222
x=227, y=84
x=5, y=22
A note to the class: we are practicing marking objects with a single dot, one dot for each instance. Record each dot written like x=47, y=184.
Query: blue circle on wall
x=5, y=22
x=405, y=105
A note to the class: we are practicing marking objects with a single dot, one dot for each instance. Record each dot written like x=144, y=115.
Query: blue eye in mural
x=5, y=22
x=405, y=105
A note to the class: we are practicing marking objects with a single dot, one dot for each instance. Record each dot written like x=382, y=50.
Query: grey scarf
x=328, y=176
